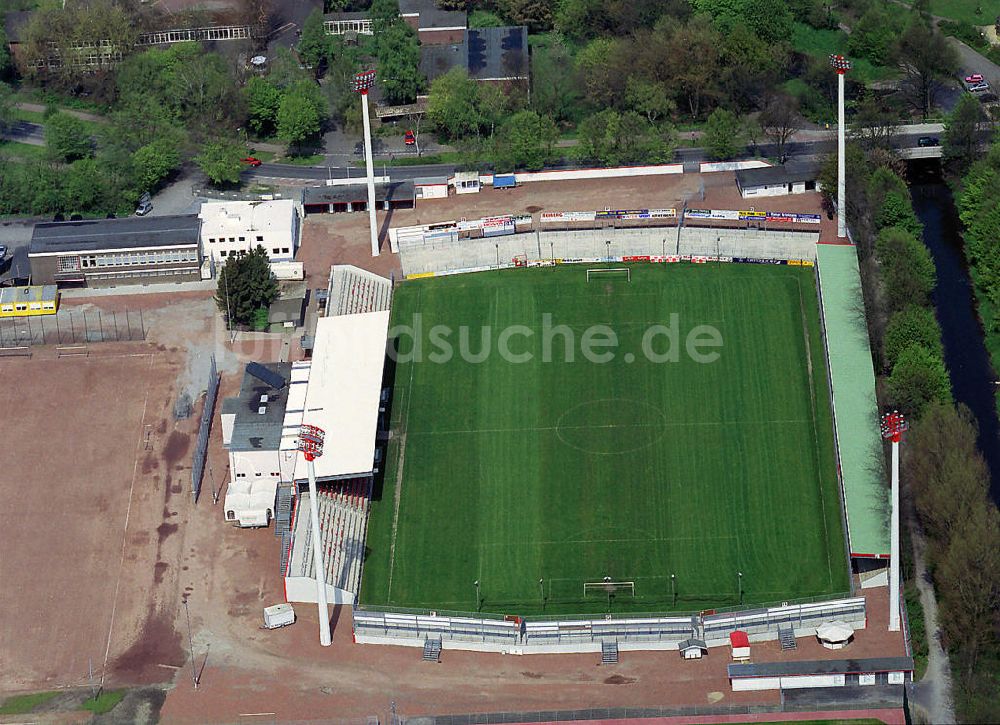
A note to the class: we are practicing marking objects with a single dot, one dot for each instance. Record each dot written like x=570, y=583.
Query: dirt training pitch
x=91, y=461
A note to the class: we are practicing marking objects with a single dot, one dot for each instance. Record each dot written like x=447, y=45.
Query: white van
x=278, y=615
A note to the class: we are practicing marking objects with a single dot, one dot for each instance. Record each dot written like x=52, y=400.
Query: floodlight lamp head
x=363, y=81
x=840, y=63
x=310, y=442
x=893, y=426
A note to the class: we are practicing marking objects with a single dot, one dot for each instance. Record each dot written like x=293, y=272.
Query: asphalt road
x=690, y=157
x=25, y=132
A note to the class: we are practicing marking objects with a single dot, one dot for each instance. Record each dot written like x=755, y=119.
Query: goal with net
x=610, y=273
x=608, y=588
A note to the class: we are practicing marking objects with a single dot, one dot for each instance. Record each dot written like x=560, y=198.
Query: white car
x=979, y=87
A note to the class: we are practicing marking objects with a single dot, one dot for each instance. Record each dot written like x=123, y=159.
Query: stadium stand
x=353, y=291
x=343, y=514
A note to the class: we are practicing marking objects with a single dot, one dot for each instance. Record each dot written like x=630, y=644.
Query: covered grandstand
x=342, y=398
x=353, y=290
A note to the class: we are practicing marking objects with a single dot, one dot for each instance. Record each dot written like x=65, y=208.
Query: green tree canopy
x=453, y=105
x=907, y=268
x=912, y=325
x=770, y=20
x=524, y=141
x=918, y=378
x=155, y=161
x=723, y=134
x=66, y=137
x=220, y=160
x=314, y=43
x=263, y=102
x=398, y=54
x=298, y=117
x=246, y=285
x=614, y=138
x=961, y=133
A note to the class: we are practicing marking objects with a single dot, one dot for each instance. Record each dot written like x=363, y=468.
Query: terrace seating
x=343, y=518
x=353, y=291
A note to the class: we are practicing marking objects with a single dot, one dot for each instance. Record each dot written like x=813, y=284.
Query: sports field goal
x=611, y=272
x=608, y=588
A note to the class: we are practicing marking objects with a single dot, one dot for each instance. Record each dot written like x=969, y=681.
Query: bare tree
x=779, y=121
x=927, y=60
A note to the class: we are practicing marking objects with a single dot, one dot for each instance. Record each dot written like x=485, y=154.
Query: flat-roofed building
x=111, y=252
x=29, y=301
x=232, y=228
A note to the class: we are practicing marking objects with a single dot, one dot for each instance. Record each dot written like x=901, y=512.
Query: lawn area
x=93, y=128
x=821, y=43
x=570, y=470
x=21, y=704
x=13, y=149
x=965, y=10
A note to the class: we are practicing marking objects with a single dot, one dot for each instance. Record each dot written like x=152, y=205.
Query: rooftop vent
x=261, y=410
x=263, y=398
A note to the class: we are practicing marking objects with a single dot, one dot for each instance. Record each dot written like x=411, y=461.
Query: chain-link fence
x=201, y=447
x=73, y=327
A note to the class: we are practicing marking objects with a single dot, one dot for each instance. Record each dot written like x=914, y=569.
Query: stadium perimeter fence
x=444, y=252
x=74, y=327
x=658, y=631
x=204, y=428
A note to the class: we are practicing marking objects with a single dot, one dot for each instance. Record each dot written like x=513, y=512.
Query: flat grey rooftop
x=821, y=667
x=788, y=173
x=254, y=430
x=126, y=233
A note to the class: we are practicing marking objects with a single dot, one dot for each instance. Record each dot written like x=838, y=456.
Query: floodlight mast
x=893, y=426
x=310, y=442
x=841, y=65
x=362, y=83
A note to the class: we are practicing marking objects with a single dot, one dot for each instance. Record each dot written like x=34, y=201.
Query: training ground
x=534, y=478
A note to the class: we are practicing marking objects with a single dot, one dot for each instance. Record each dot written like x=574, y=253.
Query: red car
x=409, y=138
x=252, y=161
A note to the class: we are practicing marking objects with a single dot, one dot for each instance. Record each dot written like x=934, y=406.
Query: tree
x=601, y=79
x=246, y=285
x=969, y=580
x=398, y=54
x=613, y=138
x=384, y=14
x=552, y=94
x=945, y=470
x=895, y=210
x=872, y=36
x=581, y=19
x=690, y=61
x=779, y=121
x=770, y=20
x=525, y=141
x=298, y=117
x=648, y=98
x=928, y=60
x=907, y=268
x=917, y=379
x=154, y=162
x=875, y=125
x=314, y=43
x=453, y=105
x=912, y=325
x=723, y=134
x=960, y=132
x=66, y=137
x=536, y=14
x=6, y=106
x=263, y=102
x=220, y=160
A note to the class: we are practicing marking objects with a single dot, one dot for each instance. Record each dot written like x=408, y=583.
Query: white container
x=278, y=615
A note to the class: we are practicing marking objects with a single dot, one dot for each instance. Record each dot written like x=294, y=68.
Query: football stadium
x=584, y=439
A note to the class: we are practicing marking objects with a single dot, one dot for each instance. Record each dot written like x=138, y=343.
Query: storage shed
x=740, y=643
x=693, y=649
x=820, y=673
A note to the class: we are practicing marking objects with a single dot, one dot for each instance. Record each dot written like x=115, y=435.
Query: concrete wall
x=303, y=589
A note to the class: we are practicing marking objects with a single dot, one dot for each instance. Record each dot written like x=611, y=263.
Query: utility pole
x=893, y=426
x=194, y=670
x=841, y=65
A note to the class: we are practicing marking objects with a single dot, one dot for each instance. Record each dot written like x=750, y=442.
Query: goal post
x=612, y=272
x=608, y=588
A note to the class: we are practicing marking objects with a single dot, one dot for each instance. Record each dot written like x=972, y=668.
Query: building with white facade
x=791, y=178
x=230, y=228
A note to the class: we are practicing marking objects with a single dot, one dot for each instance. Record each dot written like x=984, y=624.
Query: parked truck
x=278, y=615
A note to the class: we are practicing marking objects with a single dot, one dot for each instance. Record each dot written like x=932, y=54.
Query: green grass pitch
x=508, y=473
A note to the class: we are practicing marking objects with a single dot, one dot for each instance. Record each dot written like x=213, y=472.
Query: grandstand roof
x=856, y=421
x=342, y=397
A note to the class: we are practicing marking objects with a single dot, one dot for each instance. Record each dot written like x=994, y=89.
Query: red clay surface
x=343, y=238
x=85, y=528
